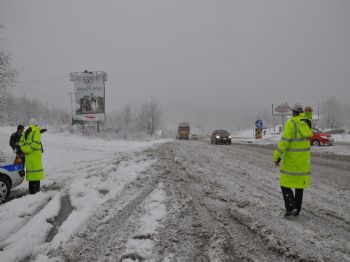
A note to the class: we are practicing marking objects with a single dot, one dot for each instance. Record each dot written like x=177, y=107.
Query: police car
x=11, y=174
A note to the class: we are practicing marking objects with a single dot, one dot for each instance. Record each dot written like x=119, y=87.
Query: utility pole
x=318, y=115
x=71, y=102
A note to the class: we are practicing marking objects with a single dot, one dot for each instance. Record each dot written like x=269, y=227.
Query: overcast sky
x=210, y=62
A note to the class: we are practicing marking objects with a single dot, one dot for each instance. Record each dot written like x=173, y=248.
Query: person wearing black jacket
x=15, y=137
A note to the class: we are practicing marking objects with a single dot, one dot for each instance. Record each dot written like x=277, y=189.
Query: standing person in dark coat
x=15, y=137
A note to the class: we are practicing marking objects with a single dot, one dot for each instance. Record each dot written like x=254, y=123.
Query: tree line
x=18, y=110
x=130, y=122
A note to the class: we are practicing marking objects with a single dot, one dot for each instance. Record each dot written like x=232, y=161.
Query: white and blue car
x=11, y=174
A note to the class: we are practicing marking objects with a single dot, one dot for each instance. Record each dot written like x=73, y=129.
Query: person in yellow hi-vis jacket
x=30, y=144
x=308, y=116
x=293, y=152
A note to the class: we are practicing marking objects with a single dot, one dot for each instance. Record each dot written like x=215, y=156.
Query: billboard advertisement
x=89, y=93
x=282, y=109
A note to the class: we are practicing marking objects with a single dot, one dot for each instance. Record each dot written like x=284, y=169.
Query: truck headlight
x=229, y=136
x=217, y=137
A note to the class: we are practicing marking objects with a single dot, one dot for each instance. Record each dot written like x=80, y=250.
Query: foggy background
x=211, y=63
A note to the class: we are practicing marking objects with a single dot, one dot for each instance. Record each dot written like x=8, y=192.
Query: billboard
x=282, y=110
x=89, y=93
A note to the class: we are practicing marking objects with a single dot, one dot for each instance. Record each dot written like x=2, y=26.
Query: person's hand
x=277, y=163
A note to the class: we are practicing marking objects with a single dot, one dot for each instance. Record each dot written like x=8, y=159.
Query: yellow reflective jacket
x=294, y=151
x=30, y=144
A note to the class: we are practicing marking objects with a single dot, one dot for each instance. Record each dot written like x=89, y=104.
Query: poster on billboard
x=89, y=96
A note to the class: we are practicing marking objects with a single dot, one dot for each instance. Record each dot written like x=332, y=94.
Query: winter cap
x=297, y=108
x=33, y=122
x=308, y=109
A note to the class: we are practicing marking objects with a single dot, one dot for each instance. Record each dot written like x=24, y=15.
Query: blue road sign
x=259, y=123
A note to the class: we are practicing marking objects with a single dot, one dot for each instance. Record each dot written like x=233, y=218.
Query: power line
x=44, y=81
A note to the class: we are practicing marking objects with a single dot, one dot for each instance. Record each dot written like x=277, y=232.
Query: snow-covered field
x=90, y=171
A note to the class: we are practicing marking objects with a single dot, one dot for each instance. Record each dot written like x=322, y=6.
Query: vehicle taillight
x=18, y=160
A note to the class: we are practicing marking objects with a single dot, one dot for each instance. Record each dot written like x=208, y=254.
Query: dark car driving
x=220, y=137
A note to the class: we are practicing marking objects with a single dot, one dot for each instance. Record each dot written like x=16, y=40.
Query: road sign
x=258, y=133
x=259, y=123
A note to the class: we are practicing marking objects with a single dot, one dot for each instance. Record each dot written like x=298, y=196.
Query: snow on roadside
x=343, y=150
x=246, y=136
x=89, y=193
x=90, y=170
x=14, y=214
x=341, y=137
x=153, y=213
x=21, y=244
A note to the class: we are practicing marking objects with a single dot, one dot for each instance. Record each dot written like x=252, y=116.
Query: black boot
x=34, y=187
x=288, y=197
x=296, y=212
x=288, y=214
x=298, y=200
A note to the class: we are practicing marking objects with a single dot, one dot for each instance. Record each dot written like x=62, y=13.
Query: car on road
x=11, y=174
x=194, y=137
x=320, y=138
x=220, y=136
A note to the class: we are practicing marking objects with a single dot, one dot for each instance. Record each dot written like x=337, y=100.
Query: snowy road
x=223, y=203
x=174, y=201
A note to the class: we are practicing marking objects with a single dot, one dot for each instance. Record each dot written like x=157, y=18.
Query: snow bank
x=341, y=146
x=248, y=136
x=89, y=170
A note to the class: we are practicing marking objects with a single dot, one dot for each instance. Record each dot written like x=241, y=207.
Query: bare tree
x=7, y=79
x=126, y=115
x=331, y=111
x=149, y=117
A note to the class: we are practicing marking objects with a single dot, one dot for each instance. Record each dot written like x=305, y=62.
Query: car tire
x=316, y=143
x=5, y=187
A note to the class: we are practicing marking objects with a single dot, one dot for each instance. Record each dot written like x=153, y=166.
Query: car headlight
x=217, y=137
x=324, y=137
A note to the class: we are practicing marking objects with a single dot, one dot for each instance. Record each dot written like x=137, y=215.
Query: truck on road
x=183, y=131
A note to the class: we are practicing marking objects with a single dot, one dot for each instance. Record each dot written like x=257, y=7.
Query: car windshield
x=220, y=132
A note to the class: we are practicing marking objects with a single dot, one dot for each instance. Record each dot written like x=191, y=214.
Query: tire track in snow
x=104, y=236
x=211, y=238
x=255, y=214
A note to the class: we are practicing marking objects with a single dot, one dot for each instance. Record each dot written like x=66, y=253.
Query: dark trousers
x=34, y=186
x=292, y=201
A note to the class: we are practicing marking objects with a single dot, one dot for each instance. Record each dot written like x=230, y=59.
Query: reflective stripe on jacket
x=294, y=150
x=30, y=144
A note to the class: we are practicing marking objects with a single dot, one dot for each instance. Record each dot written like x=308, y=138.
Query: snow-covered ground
x=90, y=171
x=108, y=200
x=341, y=142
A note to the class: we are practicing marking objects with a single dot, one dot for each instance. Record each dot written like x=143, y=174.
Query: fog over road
x=223, y=203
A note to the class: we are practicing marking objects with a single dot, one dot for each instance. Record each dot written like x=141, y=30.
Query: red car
x=321, y=138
